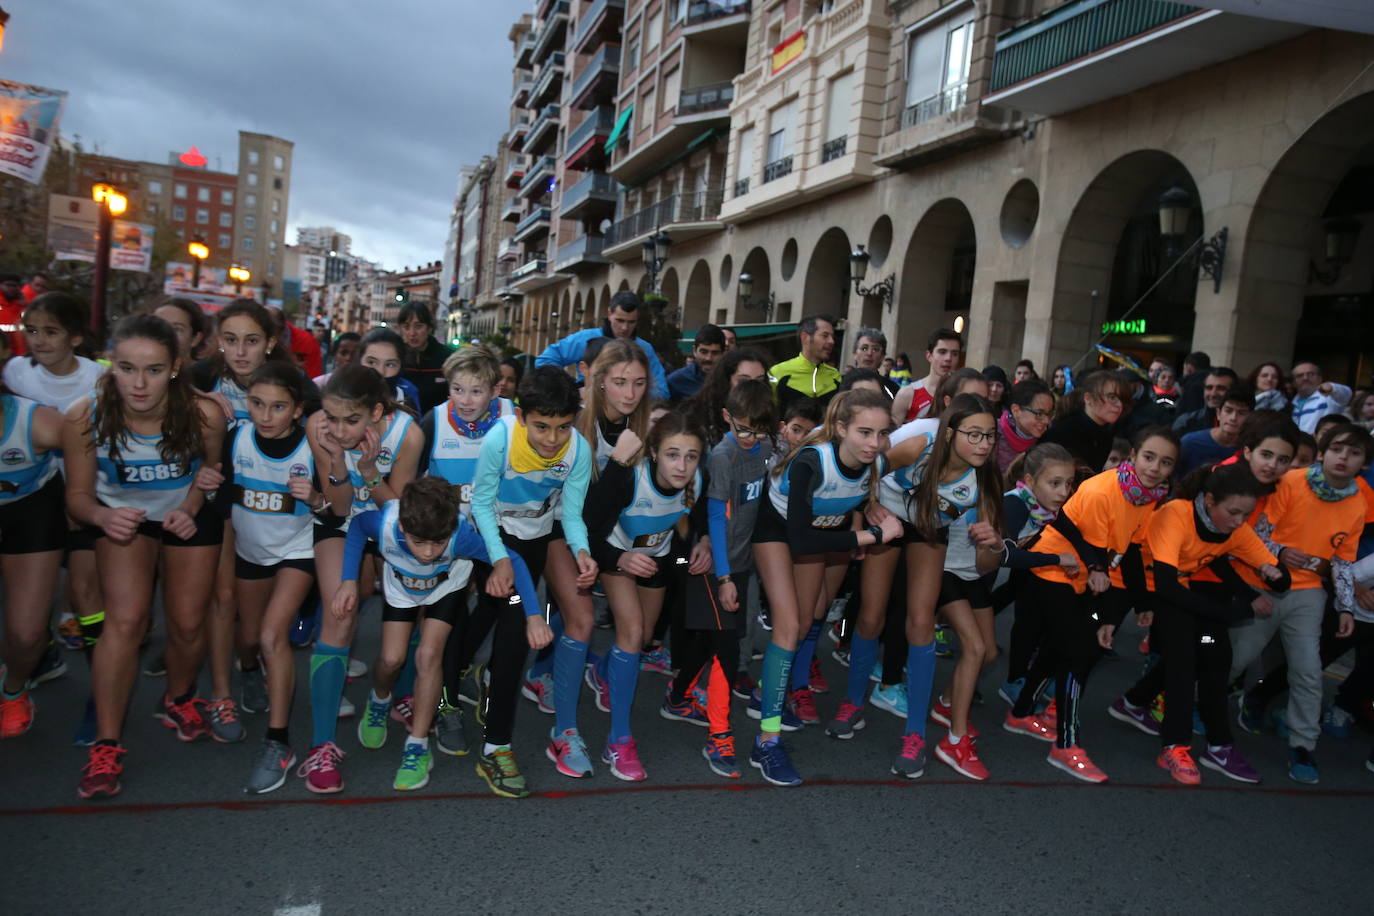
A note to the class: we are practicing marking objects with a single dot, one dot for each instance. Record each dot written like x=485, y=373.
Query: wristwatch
x=876, y=531
x=721, y=580
x=336, y=482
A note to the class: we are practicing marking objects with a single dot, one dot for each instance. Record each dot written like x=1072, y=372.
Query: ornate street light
x=1341, y=234
x=1176, y=207
x=746, y=300
x=655, y=250
x=858, y=267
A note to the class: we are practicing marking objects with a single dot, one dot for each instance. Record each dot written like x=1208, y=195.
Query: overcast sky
x=384, y=102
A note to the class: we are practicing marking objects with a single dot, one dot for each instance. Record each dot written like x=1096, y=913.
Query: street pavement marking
x=310, y=909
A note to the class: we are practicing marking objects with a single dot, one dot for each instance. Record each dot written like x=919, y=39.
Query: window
x=246, y=243
x=179, y=213
x=250, y=200
x=203, y=195
x=226, y=198
x=275, y=226
x=276, y=184
x=772, y=33
x=226, y=240
x=672, y=88
x=937, y=68
x=780, y=130
x=632, y=55
x=226, y=219
x=155, y=188
x=838, y=106
x=653, y=31
x=181, y=234
x=272, y=268
x=247, y=259
x=278, y=163
x=252, y=179
x=202, y=216
x=276, y=205
x=154, y=209
x=644, y=111
x=272, y=246
x=179, y=190
x=252, y=157
x=744, y=155
x=250, y=221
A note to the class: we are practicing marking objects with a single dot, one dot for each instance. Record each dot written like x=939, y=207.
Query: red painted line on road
x=343, y=801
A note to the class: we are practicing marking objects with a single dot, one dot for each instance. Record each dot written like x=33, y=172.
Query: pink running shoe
x=623, y=759
x=321, y=769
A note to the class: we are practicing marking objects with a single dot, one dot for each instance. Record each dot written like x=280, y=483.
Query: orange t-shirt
x=1104, y=518
x=1368, y=492
x=1172, y=538
x=1314, y=526
x=1206, y=575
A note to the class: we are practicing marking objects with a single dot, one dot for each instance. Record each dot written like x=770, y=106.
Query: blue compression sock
x=863, y=655
x=623, y=674
x=568, y=661
x=603, y=666
x=920, y=677
x=328, y=672
x=777, y=668
x=405, y=681
x=543, y=659
x=801, y=667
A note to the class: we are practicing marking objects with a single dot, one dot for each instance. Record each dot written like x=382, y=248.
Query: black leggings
x=509, y=647
x=1027, y=627
x=1067, y=653
x=894, y=631
x=1195, y=654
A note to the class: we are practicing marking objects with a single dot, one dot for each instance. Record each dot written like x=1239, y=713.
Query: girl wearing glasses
x=1029, y=411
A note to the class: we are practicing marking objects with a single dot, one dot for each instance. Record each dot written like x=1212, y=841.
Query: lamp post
x=240, y=276
x=655, y=249
x=1176, y=207
x=198, y=251
x=858, y=267
x=112, y=203
x=746, y=291
x=1340, y=234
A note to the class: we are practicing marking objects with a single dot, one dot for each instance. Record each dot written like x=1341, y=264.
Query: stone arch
x=827, y=288
x=670, y=288
x=756, y=265
x=936, y=281
x=696, y=298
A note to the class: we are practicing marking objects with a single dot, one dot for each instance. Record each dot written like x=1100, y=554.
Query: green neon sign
x=1124, y=326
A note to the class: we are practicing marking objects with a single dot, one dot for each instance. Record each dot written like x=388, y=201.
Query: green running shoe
x=416, y=762
x=502, y=773
x=372, y=726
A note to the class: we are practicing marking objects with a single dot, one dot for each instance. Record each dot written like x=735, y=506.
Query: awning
x=619, y=128
x=742, y=332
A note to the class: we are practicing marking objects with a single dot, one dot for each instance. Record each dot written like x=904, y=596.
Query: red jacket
x=306, y=349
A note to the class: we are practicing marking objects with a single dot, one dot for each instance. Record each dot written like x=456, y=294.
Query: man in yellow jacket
x=808, y=374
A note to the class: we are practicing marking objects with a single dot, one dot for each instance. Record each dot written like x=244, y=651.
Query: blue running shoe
x=890, y=699
x=876, y=675
x=720, y=755
x=943, y=643
x=687, y=711
x=771, y=760
x=1336, y=722
x=790, y=722
x=303, y=630
x=1302, y=766
x=1011, y=690
x=1198, y=727
x=85, y=733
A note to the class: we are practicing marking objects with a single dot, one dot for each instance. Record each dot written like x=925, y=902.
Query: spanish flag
x=788, y=50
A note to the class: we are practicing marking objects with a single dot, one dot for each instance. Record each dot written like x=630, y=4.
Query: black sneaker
x=156, y=666
x=52, y=667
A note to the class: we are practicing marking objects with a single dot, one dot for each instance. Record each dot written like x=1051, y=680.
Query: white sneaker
x=356, y=669
x=346, y=709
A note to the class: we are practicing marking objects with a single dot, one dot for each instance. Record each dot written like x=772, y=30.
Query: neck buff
x=479, y=427
x=1027, y=495
x=1135, y=492
x=1316, y=479
x=1012, y=435
x=1200, y=507
x=524, y=459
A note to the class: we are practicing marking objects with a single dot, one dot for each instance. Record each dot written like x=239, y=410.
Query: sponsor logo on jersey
x=384, y=455
x=13, y=456
x=299, y=470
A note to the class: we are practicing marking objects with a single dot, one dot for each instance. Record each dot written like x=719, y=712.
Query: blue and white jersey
x=22, y=469
x=836, y=495
x=603, y=449
x=270, y=524
x=386, y=456
x=528, y=504
x=646, y=524
x=961, y=556
x=140, y=477
x=453, y=453
x=237, y=397
x=406, y=582
x=897, y=492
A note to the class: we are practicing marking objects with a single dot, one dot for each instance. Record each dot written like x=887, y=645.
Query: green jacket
x=801, y=375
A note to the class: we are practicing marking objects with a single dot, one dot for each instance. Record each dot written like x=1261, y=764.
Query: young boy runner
x=428, y=549
x=918, y=400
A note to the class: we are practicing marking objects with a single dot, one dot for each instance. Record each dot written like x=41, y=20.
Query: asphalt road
x=183, y=838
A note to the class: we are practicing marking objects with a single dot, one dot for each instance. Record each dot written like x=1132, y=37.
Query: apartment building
x=1047, y=175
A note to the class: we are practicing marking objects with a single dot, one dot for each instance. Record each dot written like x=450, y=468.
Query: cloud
x=383, y=103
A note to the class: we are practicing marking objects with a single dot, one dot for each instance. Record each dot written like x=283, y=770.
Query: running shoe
x=835, y=613
x=1157, y=708
x=940, y=711
x=502, y=774
x=719, y=753
x=944, y=643
x=481, y=678
x=876, y=675
x=346, y=708
x=601, y=689
x=911, y=760
x=69, y=633
x=771, y=760
x=835, y=632
x=270, y=770
x=539, y=691
x=890, y=699
x=1227, y=761
x=254, y=691
x=156, y=666
x=1031, y=725
x=185, y=718
x=765, y=619
x=1050, y=714
x=819, y=684
x=623, y=758
x=321, y=769
x=1302, y=766
x=1137, y=716
x=449, y=736
x=85, y=733
x=743, y=686
x=403, y=710
x=689, y=710
x=357, y=668
x=50, y=668
x=16, y=715
x=1336, y=722
x=1011, y=690
x=962, y=757
x=841, y=655
x=803, y=703
x=100, y=775
x=848, y=720
x=225, y=726
x=658, y=661
x=1250, y=715
x=1144, y=647
x=1179, y=762
x=413, y=773
x=302, y=632
x=1075, y=762
x=790, y=722
x=569, y=754
x=372, y=726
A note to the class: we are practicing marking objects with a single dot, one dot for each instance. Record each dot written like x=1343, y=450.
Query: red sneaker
x=962, y=758
x=1050, y=716
x=403, y=710
x=184, y=718
x=1180, y=765
x=818, y=682
x=940, y=711
x=100, y=775
x=321, y=769
x=16, y=715
x=1075, y=762
x=803, y=703
x=1031, y=725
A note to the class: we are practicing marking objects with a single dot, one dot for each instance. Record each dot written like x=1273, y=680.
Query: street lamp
x=112, y=203
x=198, y=251
x=1341, y=234
x=240, y=276
x=655, y=249
x=746, y=291
x=858, y=267
x=1175, y=212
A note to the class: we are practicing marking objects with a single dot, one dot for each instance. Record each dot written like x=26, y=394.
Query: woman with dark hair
x=998, y=387
x=190, y=322
x=704, y=407
x=423, y=365
x=1266, y=381
x=1086, y=425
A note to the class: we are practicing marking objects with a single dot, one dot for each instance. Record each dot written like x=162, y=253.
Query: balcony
x=553, y=31
x=581, y=254
x=515, y=137
x=597, y=82
x=509, y=250
x=710, y=97
x=520, y=98
x=592, y=198
x=515, y=172
x=535, y=265
x=543, y=131
x=1088, y=51
x=524, y=55
x=510, y=213
x=834, y=149
x=640, y=153
x=778, y=168
x=947, y=122
x=600, y=23
x=684, y=216
x=532, y=275
x=742, y=187
x=535, y=183
x=534, y=226
x=724, y=20
x=586, y=145
x=548, y=82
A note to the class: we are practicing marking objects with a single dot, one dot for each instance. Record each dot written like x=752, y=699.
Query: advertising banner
x=131, y=246
x=29, y=117
x=73, y=225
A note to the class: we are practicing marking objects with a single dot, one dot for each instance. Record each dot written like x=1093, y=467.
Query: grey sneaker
x=225, y=726
x=254, y=691
x=274, y=762
x=448, y=731
x=911, y=760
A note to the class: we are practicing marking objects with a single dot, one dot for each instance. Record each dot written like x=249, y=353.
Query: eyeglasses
x=1038, y=414
x=744, y=432
x=977, y=436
